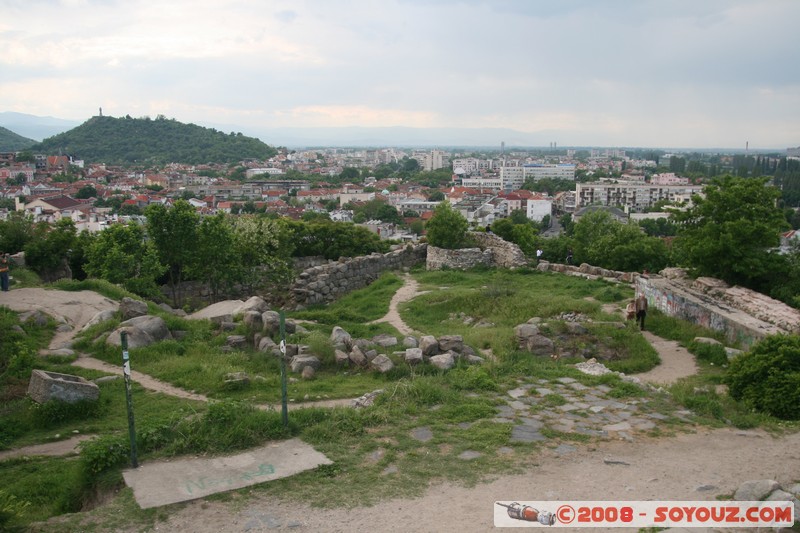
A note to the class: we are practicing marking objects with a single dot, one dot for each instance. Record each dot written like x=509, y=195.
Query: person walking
x=4, y=272
x=641, y=310
x=569, y=256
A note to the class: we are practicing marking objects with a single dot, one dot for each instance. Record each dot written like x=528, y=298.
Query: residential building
x=635, y=197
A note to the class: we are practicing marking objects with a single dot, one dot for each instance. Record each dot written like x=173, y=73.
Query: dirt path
x=62, y=447
x=676, y=362
x=408, y=291
x=693, y=466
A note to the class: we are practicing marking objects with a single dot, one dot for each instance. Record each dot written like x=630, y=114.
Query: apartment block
x=636, y=197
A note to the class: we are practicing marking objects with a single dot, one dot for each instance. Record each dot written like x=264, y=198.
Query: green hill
x=144, y=140
x=11, y=142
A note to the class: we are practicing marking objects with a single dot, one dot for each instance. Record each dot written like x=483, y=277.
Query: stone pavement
x=566, y=406
x=164, y=482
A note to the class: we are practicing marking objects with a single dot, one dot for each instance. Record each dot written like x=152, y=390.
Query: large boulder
x=299, y=362
x=529, y=339
x=381, y=363
x=252, y=319
x=357, y=356
x=385, y=340
x=342, y=358
x=271, y=321
x=100, y=316
x=413, y=356
x=219, y=312
x=130, y=308
x=255, y=303
x=444, y=361
x=429, y=345
x=142, y=331
x=451, y=342
x=340, y=336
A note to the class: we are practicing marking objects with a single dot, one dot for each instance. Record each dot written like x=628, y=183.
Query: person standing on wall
x=4, y=272
x=641, y=310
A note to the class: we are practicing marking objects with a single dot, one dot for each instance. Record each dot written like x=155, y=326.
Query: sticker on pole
x=282, y=346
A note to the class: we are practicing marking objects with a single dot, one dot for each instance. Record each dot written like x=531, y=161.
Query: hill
x=11, y=142
x=144, y=140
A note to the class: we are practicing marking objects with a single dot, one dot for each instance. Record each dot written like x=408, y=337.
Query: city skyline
x=578, y=73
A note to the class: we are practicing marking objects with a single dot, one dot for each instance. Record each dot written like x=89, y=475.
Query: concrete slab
x=165, y=482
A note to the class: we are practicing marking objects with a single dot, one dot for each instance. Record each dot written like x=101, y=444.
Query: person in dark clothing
x=4, y=272
x=641, y=310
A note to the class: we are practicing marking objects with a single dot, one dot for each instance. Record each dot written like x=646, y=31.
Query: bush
x=55, y=412
x=767, y=378
x=710, y=353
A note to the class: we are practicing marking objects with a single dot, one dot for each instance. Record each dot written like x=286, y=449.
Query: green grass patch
x=364, y=305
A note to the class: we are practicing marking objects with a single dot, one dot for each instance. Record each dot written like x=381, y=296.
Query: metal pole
x=284, y=400
x=126, y=370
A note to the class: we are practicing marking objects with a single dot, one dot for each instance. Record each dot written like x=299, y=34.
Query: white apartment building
x=433, y=160
x=635, y=197
x=483, y=183
x=538, y=208
x=473, y=165
x=668, y=178
x=250, y=172
x=514, y=177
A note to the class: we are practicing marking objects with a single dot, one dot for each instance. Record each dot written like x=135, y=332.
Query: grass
x=373, y=450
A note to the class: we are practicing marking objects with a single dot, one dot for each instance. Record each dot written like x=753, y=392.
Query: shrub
x=767, y=378
x=710, y=353
x=55, y=412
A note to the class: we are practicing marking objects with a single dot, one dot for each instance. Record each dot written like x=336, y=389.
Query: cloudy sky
x=677, y=73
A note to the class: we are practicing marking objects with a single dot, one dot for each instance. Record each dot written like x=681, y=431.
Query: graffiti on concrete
x=204, y=482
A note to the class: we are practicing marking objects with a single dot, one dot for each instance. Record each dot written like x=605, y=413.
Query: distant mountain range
x=33, y=127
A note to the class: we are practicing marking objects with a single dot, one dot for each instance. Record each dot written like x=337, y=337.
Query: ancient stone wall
x=325, y=283
x=504, y=254
x=461, y=259
x=742, y=315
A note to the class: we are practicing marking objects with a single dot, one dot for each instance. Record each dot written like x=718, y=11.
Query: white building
x=636, y=197
x=514, y=177
x=538, y=208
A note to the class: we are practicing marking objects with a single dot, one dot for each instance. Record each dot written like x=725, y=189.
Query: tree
x=87, y=191
x=262, y=252
x=48, y=251
x=447, y=228
x=121, y=254
x=216, y=261
x=729, y=233
x=16, y=232
x=436, y=196
x=174, y=233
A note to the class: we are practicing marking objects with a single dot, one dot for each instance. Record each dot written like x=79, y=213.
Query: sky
x=658, y=73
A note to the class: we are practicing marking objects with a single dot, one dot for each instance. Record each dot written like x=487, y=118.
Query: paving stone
x=563, y=428
x=503, y=420
x=644, y=425
x=391, y=469
x=541, y=391
x=532, y=423
x=592, y=432
x=625, y=436
x=657, y=416
x=566, y=381
x=621, y=426
x=505, y=450
x=624, y=414
x=518, y=406
x=506, y=411
x=582, y=405
x=423, y=434
x=591, y=398
x=526, y=434
x=563, y=449
x=597, y=408
x=469, y=455
x=578, y=386
x=603, y=388
x=518, y=393
x=568, y=407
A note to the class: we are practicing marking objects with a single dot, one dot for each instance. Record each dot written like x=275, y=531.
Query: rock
x=65, y=352
x=371, y=354
x=142, y=331
x=99, y=317
x=385, y=340
x=357, y=357
x=267, y=345
x=574, y=328
x=227, y=326
x=592, y=367
x=381, y=363
x=340, y=336
x=413, y=356
x=523, y=331
x=130, y=308
x=538, y=345
x=252, y=319
x=308, y=372
x=37, y=317
x=366, y=400
x=444, y=361
x=45, y=386
x=236, y=341
x=106, y=379
x=255, y=304
x=429, y=345
x=483, y=323
x=299, y=362
x=136, y=338
x=473, y=359
x=271, y=322
x=451, y=343
x=292, y=350
x=290, y=326
x=235, y=380
x=218, y=312
x=755, y=490
x=342, y=359
x=410, y=342
x=707, y=340
x=732, y=353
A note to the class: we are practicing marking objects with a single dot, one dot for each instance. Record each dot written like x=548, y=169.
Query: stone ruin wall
x=492, y=251
x=325, y=283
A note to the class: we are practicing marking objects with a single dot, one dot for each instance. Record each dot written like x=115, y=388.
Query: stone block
x=45, y=386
